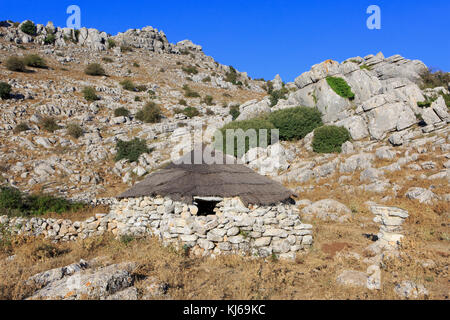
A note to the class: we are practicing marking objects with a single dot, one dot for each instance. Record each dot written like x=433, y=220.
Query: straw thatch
x=182, y=182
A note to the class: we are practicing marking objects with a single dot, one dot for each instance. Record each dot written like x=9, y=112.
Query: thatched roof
x=182, y=182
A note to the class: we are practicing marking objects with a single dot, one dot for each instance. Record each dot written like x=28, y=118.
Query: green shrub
x=10, y=198
x=136, y=65
x=125, y=48
x=137, y=98
x=33, y=60
x=256, y=124
x=188, y=93
x=231, y=76
x=49, y=124
x=41, y=204
x=207, y=79
x=128, y=85
x=94, y=69
x=21, y=127
x=433, y=79
x=15, y=64
x=268, y=86
x=14, y=202
x=190, y=70
x=446, y=99
x=107, y=59
x=190, y=112
x=276, y=95
x=74, y=130
x=111, y=43
x=50, y=39
x=29, y=28
x=121, y=112
x=150, y=113
x=365, y=67
x=182, y=102
x=234, y=111
x=341, y=87
x=296, y=123
x=131, y=150
x=90, y=94
x=208, y=100
x=5, y=90
x=328, y=139
x=141, y=88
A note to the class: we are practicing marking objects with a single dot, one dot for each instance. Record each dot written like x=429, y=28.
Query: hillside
x=61, y=139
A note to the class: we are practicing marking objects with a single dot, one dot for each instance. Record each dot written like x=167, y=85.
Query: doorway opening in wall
x=206, y=205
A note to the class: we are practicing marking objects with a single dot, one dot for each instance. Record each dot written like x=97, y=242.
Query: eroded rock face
x=95, y=284
x=85, y=280
x=327, y=209
x=386, y=96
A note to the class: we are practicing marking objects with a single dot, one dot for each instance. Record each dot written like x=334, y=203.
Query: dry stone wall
x=259, y=231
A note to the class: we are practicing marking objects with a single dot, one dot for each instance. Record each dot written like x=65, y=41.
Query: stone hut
x=214, y=209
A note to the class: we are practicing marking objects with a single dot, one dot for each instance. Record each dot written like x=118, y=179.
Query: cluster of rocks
x=233, y=228
x=385, y=103
x=147, y=38
x=391, y=220
x=91, y=280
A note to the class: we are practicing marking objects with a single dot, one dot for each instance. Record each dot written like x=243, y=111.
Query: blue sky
x=267, y=37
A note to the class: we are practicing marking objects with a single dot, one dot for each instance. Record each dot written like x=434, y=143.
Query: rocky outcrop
x=147, y=38
x=386, y=96
x=84, y=280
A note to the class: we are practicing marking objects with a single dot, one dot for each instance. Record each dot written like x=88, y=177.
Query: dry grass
x=311, y=276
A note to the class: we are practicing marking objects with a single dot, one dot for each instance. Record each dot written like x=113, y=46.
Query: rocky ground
x=399, y=156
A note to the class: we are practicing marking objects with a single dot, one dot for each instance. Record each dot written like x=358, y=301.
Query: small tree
x=190, y=112
x=296, y=123
x=21, y=127
x=49, y=124
x=128, y=85
x=94, y=69
x=131, y=150
x=74, y=130
x=208, y=100
x=29, y=28
x=328, y=139
x=15, y=64
x=90, y=94
x=111, y=43
x=33, y=60
x=121, y=112
x=50, y=39
x=5, y=90
x=234, y=111
x=190, y=70
x=150, y=113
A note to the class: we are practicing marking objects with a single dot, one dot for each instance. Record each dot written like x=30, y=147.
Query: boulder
x=327, y=209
